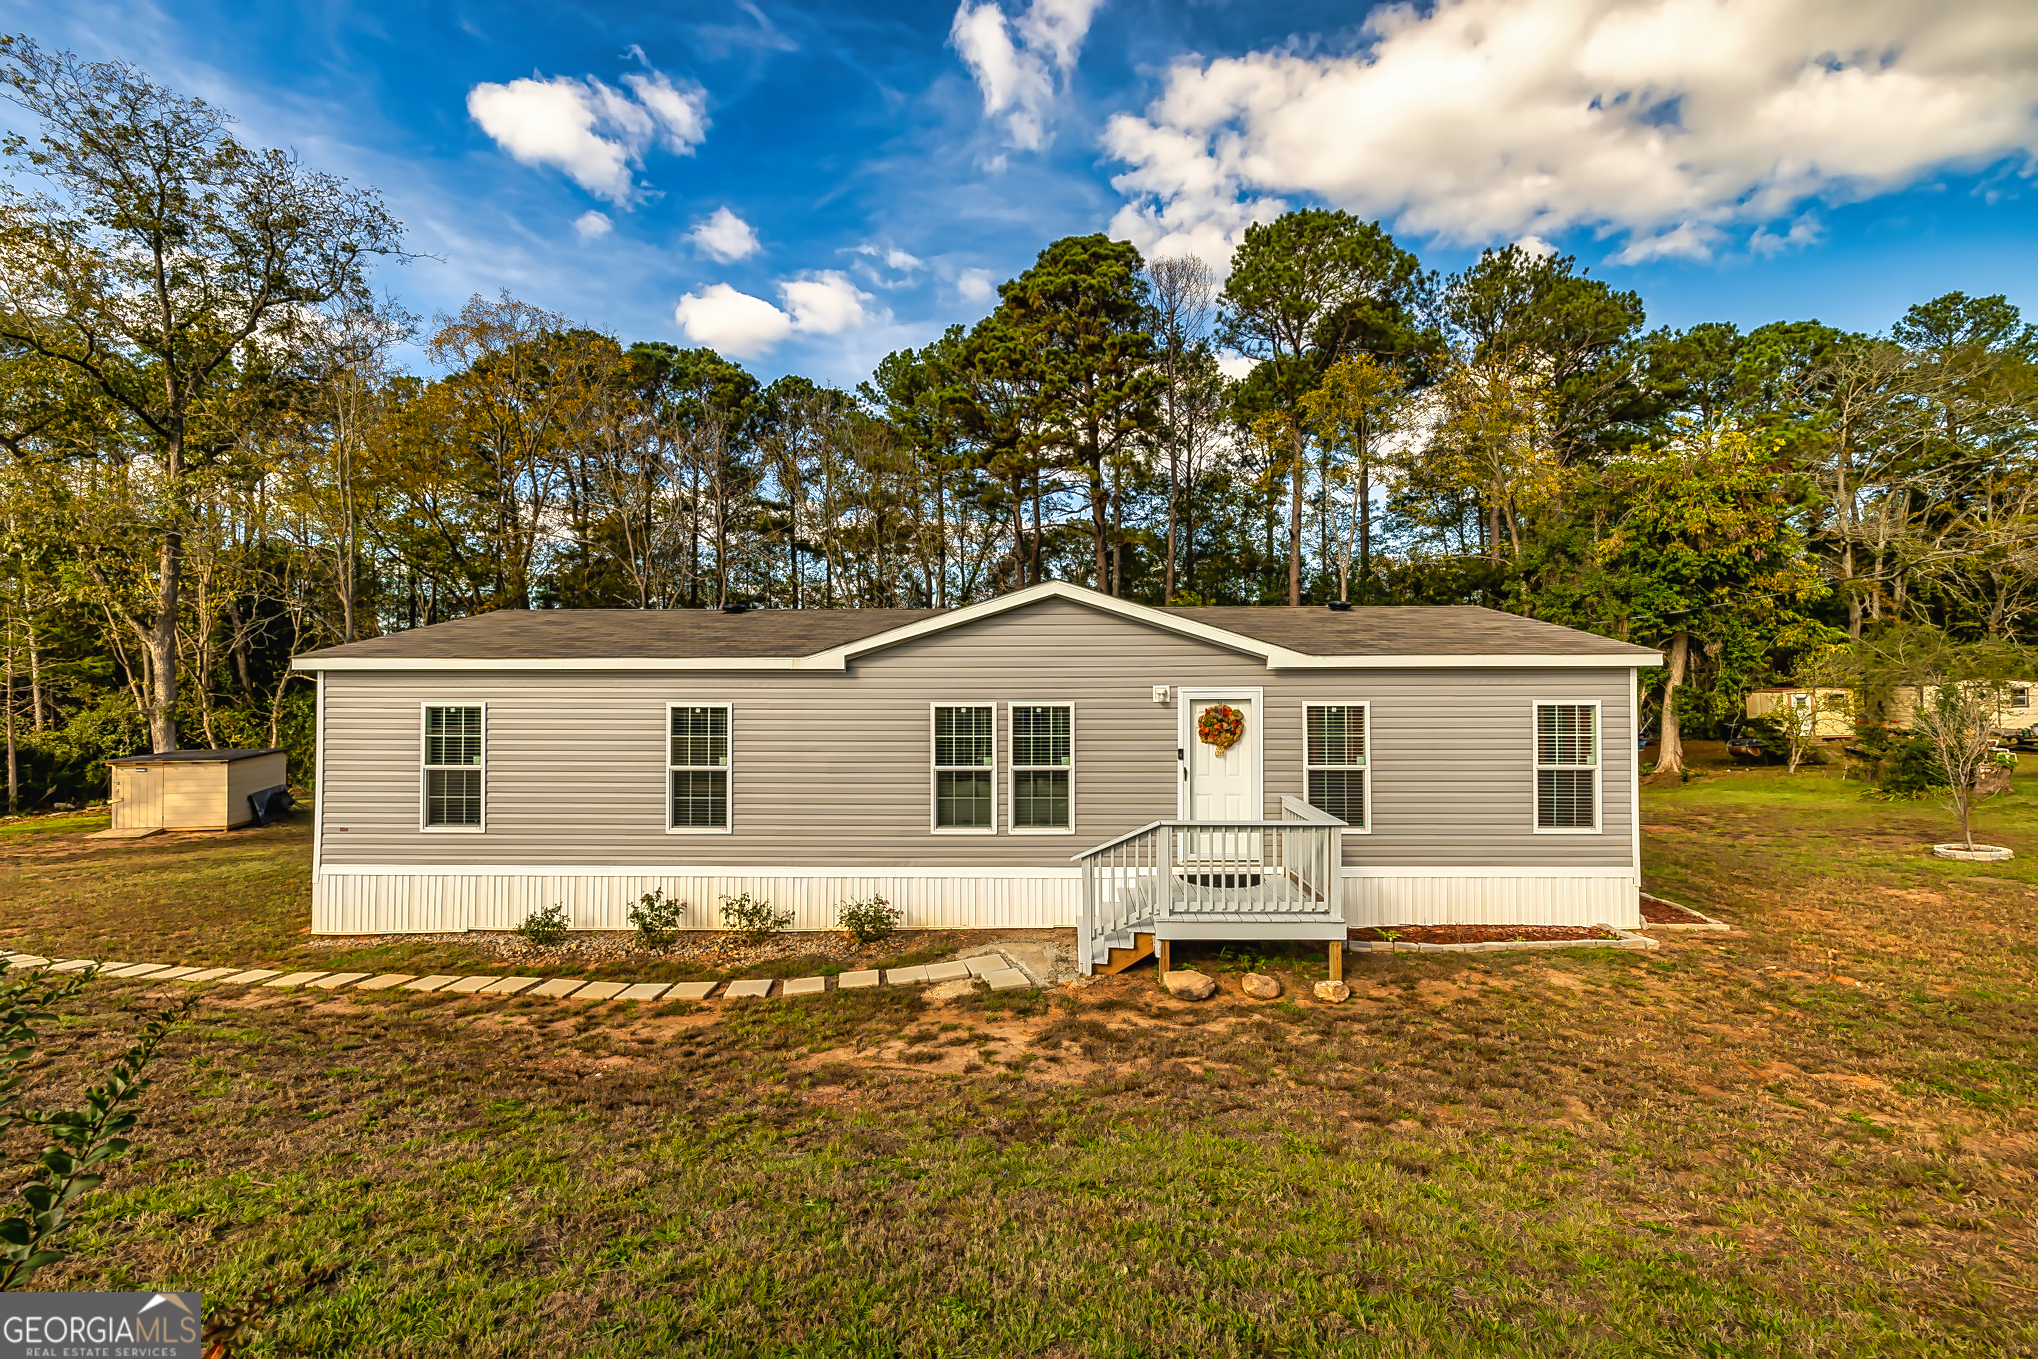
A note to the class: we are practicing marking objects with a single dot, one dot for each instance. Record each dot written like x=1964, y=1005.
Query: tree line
x=218, y=450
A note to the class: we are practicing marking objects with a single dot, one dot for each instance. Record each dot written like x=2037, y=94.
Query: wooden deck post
x=1162, y=951
x=1337, y=960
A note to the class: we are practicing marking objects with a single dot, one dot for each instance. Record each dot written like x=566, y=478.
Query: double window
x=1334, y=760
x=697, y=767
x=1567, y=766
x=1040, y=776
x=453, y=768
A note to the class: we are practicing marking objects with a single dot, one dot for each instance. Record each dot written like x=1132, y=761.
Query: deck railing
x=1213, y=872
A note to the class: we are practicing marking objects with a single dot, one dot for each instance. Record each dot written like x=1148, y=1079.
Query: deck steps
x=1114, y=953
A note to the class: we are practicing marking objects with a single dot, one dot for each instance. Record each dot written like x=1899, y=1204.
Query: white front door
x=1224, y=786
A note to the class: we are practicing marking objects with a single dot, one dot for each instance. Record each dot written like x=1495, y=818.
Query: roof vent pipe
x=1339, y=606
x=735, y=608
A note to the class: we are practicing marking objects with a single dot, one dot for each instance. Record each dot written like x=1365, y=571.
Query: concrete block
x=75, y=965
x=384, y=981
x=172, y=974
x=467, y=985
x=559, y=986
x=295, y=979
x=905, y=976
x=940, y=972
x=1011, y=979
x=601, y=991
x=851, y=981
x=138, y=969
x=435, y=982
x=692, y=991
x=805, y=986
x=986, y=965
x=333, y=981
x=761, y=987
x=643, y=991
x=510, y=986
x=26, y=960
x=251, y=976
x=211, y=974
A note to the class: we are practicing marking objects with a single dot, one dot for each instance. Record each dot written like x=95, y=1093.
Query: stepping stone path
x=993, y=969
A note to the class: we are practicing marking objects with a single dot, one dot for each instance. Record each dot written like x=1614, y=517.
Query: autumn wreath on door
x=1221, y=725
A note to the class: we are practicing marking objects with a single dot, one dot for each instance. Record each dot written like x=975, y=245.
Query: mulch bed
x=1657, y=911
x=1480, y=934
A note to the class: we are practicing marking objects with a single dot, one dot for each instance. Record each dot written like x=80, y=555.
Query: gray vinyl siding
x=832, y=769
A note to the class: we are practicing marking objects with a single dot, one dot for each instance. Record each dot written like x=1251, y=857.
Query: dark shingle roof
x=709, y=634
x=192, y=756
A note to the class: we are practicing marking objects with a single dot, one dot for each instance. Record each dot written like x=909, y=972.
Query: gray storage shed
x=191, y=789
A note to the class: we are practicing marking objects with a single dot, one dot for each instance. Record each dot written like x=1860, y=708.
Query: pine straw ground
x=1712, y=1149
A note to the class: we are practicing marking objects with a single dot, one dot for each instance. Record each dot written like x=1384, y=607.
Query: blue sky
x=868, y=171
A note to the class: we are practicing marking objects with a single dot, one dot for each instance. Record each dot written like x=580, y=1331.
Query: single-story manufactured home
x=1054, y=757
x=1831, y=710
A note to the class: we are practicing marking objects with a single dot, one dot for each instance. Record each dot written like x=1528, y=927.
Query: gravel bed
x=708, y=949
x=1481, y=934
x=1657, y=911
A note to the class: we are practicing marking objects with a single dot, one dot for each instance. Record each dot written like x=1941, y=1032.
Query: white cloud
x=1667, y=121
x=1236, y=366
x=975, y=285
x=1806, y=230
x=593, y=225
x=1535, y=246
x=1019, y=62
x=826, y=303
x=724, y=236
x=594, y=132
x=747, y=327
x=734, y=323
x=903, y=262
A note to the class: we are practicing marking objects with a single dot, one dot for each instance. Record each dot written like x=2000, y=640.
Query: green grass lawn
x=1708, y=1150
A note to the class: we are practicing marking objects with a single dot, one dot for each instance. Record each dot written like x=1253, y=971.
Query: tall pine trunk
x=1295, y=521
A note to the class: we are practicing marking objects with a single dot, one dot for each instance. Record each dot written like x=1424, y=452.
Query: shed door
x=137, y=796
x=1224, y=787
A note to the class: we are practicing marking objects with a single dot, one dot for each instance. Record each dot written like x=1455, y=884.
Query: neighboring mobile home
x=1836, y=707
x=1037, y=760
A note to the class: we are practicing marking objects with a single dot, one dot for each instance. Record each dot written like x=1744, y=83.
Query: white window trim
x=667, y=766
x=1186, y=699
x=1365, y=706
x=1012, y=767
x=424, y=802
x=933, y=771
x=1598, y=826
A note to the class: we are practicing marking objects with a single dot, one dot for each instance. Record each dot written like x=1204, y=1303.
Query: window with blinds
x=1043, y=759
x=453, y=767
x=1334, y=760
x=1567, y=766
x=697, y=760
x=965, y=759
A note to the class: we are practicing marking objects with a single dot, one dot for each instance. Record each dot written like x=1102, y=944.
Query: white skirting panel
x=1492, y=897
x=353, y=902
x=393, y=899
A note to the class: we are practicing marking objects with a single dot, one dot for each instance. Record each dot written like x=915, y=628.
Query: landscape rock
x=1335, y=992
x=1266, y=988
x=1185, y=984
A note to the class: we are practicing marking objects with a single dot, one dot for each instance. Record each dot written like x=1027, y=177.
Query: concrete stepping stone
x=468, y=985
x=1011, y=979
x=760, y=988
x=26, y=960
x=138, y=969
x=295, y=979
x=251, y=976
x=986, y=965
x=643, y=991
x=211, y=974
x=75, y=965
x=333, y=981
x=563, y=986
x=853, y=981
x=905, y=976
x=805, y=986
x=383, y=982
x=692, y=991
x=432, y=983
x=600, y=991
x=941, y=972
x=174, y=974
x=509, y=986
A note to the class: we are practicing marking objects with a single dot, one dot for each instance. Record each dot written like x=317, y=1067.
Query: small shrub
x=657, y=918
x=753, y=919
x=870, y=920
x=544, y=928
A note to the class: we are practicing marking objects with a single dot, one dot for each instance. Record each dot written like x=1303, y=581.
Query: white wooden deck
x=1215, y=880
